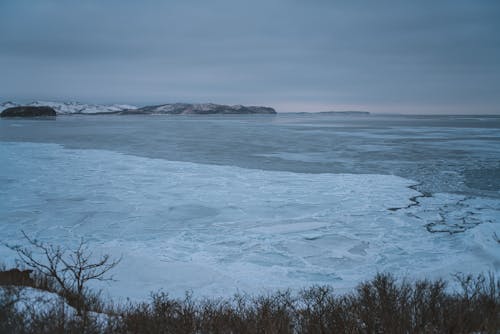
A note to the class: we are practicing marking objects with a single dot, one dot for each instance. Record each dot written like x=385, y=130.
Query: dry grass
x=381, y=305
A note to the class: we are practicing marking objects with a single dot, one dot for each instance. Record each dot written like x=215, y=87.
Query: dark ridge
x=28, y=111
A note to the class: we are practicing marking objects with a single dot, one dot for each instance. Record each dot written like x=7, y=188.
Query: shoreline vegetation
x=381, y=305
x=48, y=293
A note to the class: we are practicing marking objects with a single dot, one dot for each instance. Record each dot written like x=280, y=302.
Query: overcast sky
x=294, y=55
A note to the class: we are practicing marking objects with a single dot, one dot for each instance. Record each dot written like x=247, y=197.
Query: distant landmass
x=348, y=112
x=125, y=109
x=200, y=109
x=72, y=107
x=28, y=111
x=339, y=113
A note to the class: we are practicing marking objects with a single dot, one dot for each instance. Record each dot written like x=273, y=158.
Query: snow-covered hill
x=202, y=109
x=73, y=107
x=170, y=108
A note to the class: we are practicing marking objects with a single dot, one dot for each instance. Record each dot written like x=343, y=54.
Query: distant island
x=348, y=112
x=338, y=113
x=67, y=108
x=199, y=109
x=28, y=111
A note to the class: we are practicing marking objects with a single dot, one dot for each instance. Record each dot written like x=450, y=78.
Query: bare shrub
x=69, y=270
x=380, y=305
x=10, y=320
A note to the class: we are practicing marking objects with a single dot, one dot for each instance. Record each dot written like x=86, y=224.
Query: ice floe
x=217, y=230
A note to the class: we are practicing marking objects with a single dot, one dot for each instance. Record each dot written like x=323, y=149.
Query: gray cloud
x=405, y=56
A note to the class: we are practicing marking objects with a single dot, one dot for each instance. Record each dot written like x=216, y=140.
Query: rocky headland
x=28, y=111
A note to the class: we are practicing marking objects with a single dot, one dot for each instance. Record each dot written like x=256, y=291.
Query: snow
x=217, y=230
x=34, y=301
x=72, y=107
x=39, y=301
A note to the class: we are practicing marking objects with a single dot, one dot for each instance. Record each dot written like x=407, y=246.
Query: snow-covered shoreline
x=72, y=107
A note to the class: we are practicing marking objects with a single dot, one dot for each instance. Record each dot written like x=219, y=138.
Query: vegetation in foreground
x=381, y=305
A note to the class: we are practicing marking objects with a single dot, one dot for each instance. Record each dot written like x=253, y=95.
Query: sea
x=218, y=205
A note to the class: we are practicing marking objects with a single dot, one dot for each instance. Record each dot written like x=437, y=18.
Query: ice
x=289, y=228
x=217, y=230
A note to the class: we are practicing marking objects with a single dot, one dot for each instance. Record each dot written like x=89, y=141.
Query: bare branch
x=71, y=269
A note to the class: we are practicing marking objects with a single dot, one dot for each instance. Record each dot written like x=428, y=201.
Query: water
x=444, y=153
x=218, y=204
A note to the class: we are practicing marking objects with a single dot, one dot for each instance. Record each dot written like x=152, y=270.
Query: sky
x=416, y=57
